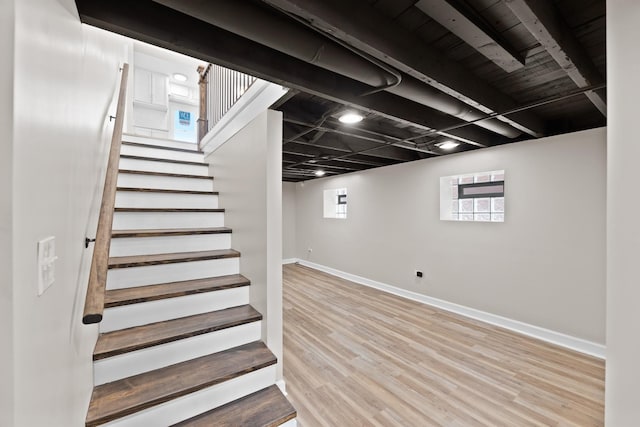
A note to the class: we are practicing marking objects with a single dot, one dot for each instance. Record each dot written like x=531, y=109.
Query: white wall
x=154, y=122
x=66, y=76
x=543, y=266
x=6, y=217
x=248, y=174
x=622, y=402
x=288, y=220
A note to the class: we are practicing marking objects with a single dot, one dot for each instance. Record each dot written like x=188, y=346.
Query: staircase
x=179, y=343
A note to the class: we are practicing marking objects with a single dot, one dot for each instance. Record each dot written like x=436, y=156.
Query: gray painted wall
x=545, y=265
x=288, y=220
x=248, y=175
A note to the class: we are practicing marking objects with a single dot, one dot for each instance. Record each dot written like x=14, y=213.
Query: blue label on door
x=184, y=117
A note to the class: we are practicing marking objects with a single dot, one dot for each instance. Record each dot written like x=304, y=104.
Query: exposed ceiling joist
x=313, y=158
x=456, y=16
x=382, y=154
x=292, y=164
x=376, y=34
x=154, y=23
x=547, y=26
x=386, y=140
x=336, y=146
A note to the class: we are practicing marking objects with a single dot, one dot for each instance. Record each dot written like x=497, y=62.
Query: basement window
x=473, y=197
x=335, y=203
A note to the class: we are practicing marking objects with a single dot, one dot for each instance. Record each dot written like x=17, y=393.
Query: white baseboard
x=553, y=337
x=289, y=261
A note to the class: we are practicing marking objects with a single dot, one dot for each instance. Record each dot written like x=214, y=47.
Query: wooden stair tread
x=136, y=338
x=172, y=258
x=264, y=408
x=168, y=174
x=168, y=232
x=129, y=395
x=156, y=159
x=162, y=190
x=151, y=210
x=161, y=147
x=126, y=296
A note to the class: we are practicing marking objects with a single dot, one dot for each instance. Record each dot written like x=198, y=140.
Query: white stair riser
x=164, y=182
x=137, y=199
x=119, y=278
x=156, y=357
x=159, y=142
x=127, y=316
x=193, y=404
x=151, y=166
x=290, y=423
x=127, y=246
x=159, y=153
x=154, y=220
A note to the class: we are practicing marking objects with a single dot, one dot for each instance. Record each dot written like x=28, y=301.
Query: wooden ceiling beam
x=461, y=20
x=544, y=22
x=372, y=32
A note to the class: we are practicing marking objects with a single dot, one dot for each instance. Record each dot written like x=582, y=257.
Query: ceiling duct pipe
x=285, y=35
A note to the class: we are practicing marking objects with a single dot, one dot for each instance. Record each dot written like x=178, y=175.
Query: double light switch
x=46, y=263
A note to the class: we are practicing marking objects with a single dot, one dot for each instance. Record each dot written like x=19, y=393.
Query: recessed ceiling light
x=320, y=173
x=180, y=77
x=351, y=118
x=448, y=145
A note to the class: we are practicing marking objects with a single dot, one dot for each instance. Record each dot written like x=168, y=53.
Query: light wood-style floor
x=355, y=356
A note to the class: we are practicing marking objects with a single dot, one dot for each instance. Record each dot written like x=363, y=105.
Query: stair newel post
x=203, y=120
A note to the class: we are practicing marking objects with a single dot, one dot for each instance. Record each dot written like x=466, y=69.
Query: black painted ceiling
x=479, y=72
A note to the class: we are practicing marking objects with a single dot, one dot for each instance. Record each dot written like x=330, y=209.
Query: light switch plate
x=46, y=263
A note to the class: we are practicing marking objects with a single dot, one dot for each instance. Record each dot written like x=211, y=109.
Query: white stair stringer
x=159, y=142
x=161, y=153
x=127, y=316
x=150, y=165
x=159, y=356
x=118, y=278
x=129, y=246
x=193, y=404
x=138, y=199
x=164, y=182
x=154, y=220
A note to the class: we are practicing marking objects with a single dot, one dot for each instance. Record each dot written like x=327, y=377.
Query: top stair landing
x=160, y=142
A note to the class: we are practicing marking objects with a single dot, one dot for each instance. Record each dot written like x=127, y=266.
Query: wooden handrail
x=94, y=302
